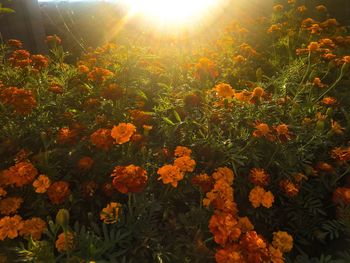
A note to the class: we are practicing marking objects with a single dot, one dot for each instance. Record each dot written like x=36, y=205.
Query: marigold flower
x=283, y=132
x=289, y=188
x=110, y=213
x=224, y=173
x=254, y=246
x=3, y=192
x=329, y=101
x=263, y=130
x=317, y=82
x=346, y=59
x=112, y=92
x=224, y=90
x=123, y=132
x=41, y=184
x=182, y=151
x=102, y=139
x=21, y=100
x=20, y=58
x=244, y=96
x=274, y=28
x=282, y=241
x=67, y=136
x=205, y=67
x=321, y=8
x=258, y=92
x=140, y=117
x=203, y=181
x=313, y=46
x=129, y=179
x=259, y=176
x=85, y=163
x=325, y=167
x=221, y=197
x=341, y=195
x=99, y=75
x=302, y=9
x=224, y=228
x=39, y=62
x=337, y=128
x=278, y=7
x=33, y=227
x=170, y=174
x=58, y=192
x=55, y=88
x=276, y=255
x=258, y=196
x=185, y=163
x=14, y=43
x=341, y=154
x=10, y=205
x=83, y=69
x=230, y=253
x=20, y=174
x=267, y=199
x=10, y=226
x=245, y=225
x=54, y=39
x=65, y=242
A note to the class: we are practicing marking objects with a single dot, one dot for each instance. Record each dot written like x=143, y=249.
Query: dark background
x=89, y=24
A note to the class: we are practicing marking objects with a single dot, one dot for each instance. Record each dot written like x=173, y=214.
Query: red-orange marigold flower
x=14, y=43
x=259, y=176
x=110, y=214
x=65, y=242
x=203, y=181
x=112, y=92
x=85, y=163
x=20, y=174
x=39, y=62
x=182, y=151
x=341, y=154
x=129, y=179
x=170, y=174
x=341, y=195
x=224, y=228
x=230, y=253
x=21, y=100
x=185, y=163
x=41, y=184
x=289, y=188
x=102, y=139
x=123, y=132
x=33, y=227
x=58, y=192
x=10, y=226
x=263, y=130
x=10, y=205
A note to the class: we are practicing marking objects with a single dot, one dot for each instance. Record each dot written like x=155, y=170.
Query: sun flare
x=175, y=12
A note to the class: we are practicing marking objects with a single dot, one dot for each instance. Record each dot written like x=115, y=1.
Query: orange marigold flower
x=58, y=192
x=54, y=39
x=10, y=226
x=282, y=241
x=14, y=43
x=65, y=242
x=110, y=213
x=274, y=28
x=99, y=74
x=230, y=253
x=341, y=195
x=329, y=101
x=337, y=128
x=3, y=192
x=224, y=228
x=203, y=181
x=41, y=184
x=346, y=59
x=224, y=173
x=205, y=67
x=112, y=92
x=102, y=139
x=123, y=132
x=140, y=117
x=259, y=176
x=10, y=205
x=55, y=88
x=245, y=225
x=170, y=174
x=317, y=82
x=67, y=136
x=39, y=62
x=283, y=132
x=325, y=167
x=263, y=130
x=129, y=179
x=20, y=174
x=289, y=188
x=221, y=197
x=254, y=246
x=341, y=154
x=182, y=151
x=185, y=163
x=258, y=92
x=278, y=7
x=302, y=9
x=321, y=8
x=33, y=227
x=313, y=46
x=20, y=58
x=258, y=196
x=85, y=163
x=83, y=69
x=224, y=90
x=21, y=100
x=267, y=199
x=244, y=96
x=276, y=255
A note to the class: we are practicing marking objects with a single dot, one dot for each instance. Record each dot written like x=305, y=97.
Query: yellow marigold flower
x=267, y=199
x=185, y=163
x=65, y=242
x=224, y=90
x=10, y=226
x=110, y=213
x=33, y=227
x=123, y=132
x=10, y=205
x=182, y=151
x=170, y=174
x=41, y=184
x=282, y=241
x=256, y=195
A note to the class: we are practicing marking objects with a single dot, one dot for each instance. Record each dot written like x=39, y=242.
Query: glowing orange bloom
x=21, y=101
x=244, y=96
x=245, y=225
x=283, y=132
x=283, y=241
x=129, y=179
x=85, y=163
x=67, y=136
x=65, y=242
x=313, y=46
x=3, y=192
x=10, y=205
x=289, y=188
x=99, y=74
x=254, y=246
x=102, y=139
x=230, y=253
x=33, y=227
x=20, y=174
x=239, y=59
x=112, y=92
x=10, y=226
x=274, y=28
x=83, y=69
x=263, y=130
x=276, y=255
x=54, y=39
x=110, y=214
x=123, y=132
x=224, y=90
x=317, y=82
x=224, y=173
x=259, y=176
x=224, y=228
x=321, y=8
x=39, y=62
x=341, y=195
x=182, y=151
x=346, y=59
x=185, y=163
x=341, y=154
x=41, y=184
x=267, y=199
x=258, y=92
x=170, y=174
x=203, y=181
x=205, y=67
x=14, y=43
x=55, y=88
x=258, y=196
x=337, y=128
x=140, y=117
x=58, y=192
x=329, y=101
x=20, y=58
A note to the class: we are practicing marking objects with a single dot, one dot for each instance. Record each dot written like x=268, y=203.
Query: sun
x=173, y=12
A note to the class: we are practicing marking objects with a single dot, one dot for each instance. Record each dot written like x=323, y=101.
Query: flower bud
x=62, y=218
